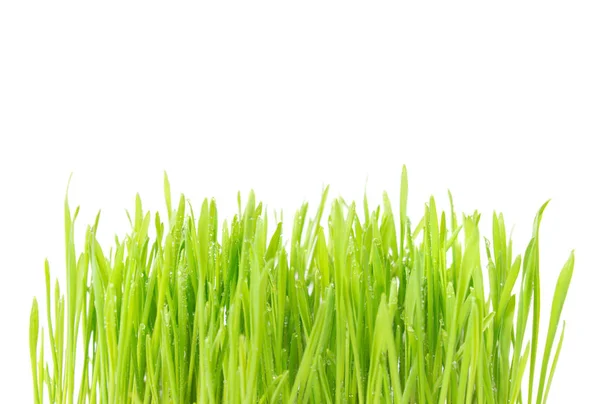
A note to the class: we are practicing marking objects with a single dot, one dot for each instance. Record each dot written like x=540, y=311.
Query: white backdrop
x=499, y=103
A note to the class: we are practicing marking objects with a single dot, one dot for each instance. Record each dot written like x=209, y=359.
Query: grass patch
x=349, y=309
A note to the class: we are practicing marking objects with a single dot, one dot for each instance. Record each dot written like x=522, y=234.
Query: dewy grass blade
x=350, y=309
x=560, y=294
x=33, y=339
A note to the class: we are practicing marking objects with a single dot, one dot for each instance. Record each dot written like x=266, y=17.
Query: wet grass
x=349, y=309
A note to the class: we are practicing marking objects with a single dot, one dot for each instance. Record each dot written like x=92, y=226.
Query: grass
x=349, y=309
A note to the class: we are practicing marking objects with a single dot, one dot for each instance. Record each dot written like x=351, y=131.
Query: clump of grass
x=350, y=310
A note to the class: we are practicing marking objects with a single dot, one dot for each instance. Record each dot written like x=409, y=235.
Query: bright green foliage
x=350, y=309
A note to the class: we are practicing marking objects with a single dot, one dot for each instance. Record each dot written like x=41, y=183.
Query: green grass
x=349, y=309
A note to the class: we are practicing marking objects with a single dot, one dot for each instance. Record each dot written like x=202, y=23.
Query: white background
x=499, y=103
